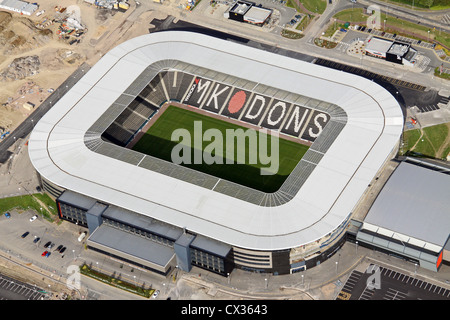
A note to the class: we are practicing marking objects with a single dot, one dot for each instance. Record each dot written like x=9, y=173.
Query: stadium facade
x=159, y=215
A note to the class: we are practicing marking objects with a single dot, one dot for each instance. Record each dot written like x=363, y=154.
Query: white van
x=81, y=237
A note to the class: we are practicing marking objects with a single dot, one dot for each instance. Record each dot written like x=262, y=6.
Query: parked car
x=47, y=244
x=59, y=248
x=7, y=215
x=51, y=245
x=81, y=237
x=36, y=240
x=44, y=253
x=48, y=254
x=62, y=250
x=25, y=234
x=33, y=218
x=155, y=294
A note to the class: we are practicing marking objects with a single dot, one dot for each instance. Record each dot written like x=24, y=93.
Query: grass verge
x=433, y=143
x=115, y=282
x=31, y=202
x=291, y=34
x=443, y=75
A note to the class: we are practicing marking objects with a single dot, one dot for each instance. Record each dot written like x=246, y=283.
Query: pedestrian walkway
x=446, y=19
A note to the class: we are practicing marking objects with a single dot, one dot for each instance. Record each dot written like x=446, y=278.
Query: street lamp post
x=351, y=13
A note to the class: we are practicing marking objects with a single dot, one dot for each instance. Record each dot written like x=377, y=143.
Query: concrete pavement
x=322, y=282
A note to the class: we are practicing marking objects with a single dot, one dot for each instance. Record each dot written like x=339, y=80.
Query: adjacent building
x=18, y=6
x=410, y=217
x=246, y=11
x=392, y=51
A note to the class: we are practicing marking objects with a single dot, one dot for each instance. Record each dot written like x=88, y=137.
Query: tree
x=426, y=3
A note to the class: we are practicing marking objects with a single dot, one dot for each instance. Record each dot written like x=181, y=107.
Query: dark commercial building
x=392, y=51
x=246, y=11
x=143, y=241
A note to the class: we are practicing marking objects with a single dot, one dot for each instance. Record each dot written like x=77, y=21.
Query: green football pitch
x=176, y=133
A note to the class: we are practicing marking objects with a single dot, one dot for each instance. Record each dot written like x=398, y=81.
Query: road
x=304, y=46
x=427, y=18
x=303, y=49
x=381, y=283
x=24, y=129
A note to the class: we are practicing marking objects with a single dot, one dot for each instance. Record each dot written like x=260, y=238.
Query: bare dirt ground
x=35, y=59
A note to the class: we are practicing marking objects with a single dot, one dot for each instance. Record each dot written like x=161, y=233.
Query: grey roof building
x=411, y=215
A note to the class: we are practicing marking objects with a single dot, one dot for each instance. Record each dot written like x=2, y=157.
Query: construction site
x=42, y=46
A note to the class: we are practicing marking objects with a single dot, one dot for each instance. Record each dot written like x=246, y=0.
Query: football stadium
x=105, y=153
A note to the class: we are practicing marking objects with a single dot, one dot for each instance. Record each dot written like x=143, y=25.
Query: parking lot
x=29, y=240
x=393, y=36
x=381, y=283
x=11, y=289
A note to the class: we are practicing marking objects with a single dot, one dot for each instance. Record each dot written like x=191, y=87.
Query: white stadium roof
x=373, y=127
